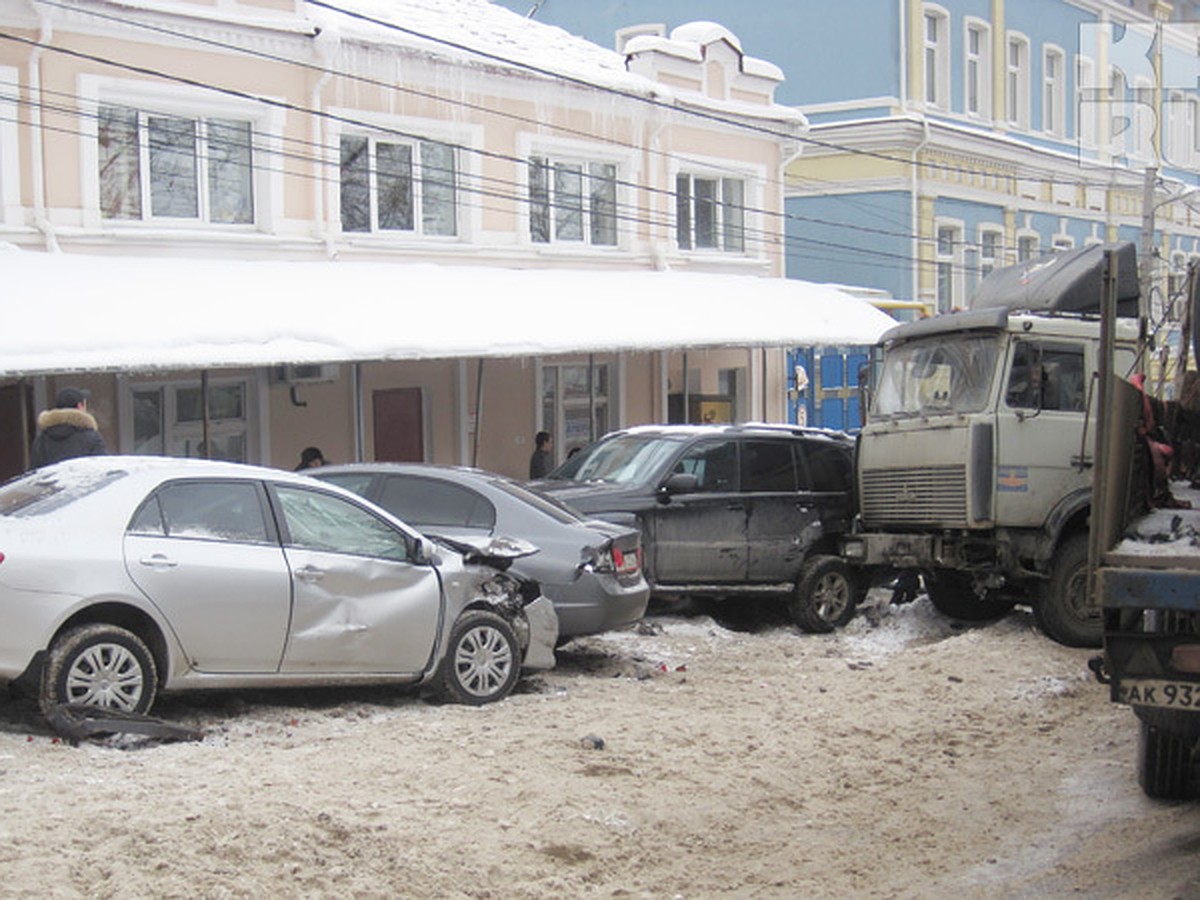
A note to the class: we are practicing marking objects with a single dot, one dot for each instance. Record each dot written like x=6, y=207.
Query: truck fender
x=1073, y=508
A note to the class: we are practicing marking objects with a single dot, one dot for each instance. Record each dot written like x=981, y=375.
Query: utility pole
x=1149, y=260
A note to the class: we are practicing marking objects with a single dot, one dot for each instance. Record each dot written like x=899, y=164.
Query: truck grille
x=935, y=495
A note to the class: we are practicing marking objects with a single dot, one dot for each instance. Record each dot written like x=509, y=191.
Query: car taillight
x=626, y=563
x=1, y=557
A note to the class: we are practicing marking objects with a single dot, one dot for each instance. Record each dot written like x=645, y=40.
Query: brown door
x=17, y=432
x=399, y=425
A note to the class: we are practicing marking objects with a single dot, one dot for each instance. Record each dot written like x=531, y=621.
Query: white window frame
x=1025, y=236
x=1016, y=80
x=189, y=435
x=751, y=227
x=589, y=219
x=1175, y=129
x=1144, y=120
x=1118, y=126
x=469, y=200
x=566, y=150
x=146, y=98
x=1087, y=109
x=1054, y=91
x=417, y=181
x=563, y=405
x=977, y=69
x=949, y=284
x=989, y=263
x=1061, y=243
x=936, y=88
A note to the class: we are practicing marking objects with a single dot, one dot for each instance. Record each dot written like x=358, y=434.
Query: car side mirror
x=424, y=553
x=678, y=483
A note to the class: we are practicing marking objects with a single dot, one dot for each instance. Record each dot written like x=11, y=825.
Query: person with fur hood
x=66, y=431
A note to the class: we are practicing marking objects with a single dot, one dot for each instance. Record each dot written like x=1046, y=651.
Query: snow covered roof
x=481, y=26
x=78, y=313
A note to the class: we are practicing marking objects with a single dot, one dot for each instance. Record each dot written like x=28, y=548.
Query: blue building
x=950, y=138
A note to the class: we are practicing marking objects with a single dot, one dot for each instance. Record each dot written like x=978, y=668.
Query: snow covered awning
x=79, y=313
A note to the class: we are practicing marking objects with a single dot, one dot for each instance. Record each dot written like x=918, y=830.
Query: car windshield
x=624, y=459
x=38, y=493
x=937, y=375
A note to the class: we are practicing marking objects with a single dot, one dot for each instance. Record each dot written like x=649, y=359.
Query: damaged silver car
x=124, y=576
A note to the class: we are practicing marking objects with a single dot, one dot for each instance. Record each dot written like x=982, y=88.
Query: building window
x=990, y=248
x=572, y=202
x=1028, y=247
x=160, y=166
x=168, y=420
x=398, y=186
x=1054, y=113
x=949, y=265
x=1144, y=119
x=1016, y=84
x=1116, y=112
x=575, y=405
x=1061, y=243
x=710, y=213
x=978, y=71
x=937, y=57
x=1086, y=107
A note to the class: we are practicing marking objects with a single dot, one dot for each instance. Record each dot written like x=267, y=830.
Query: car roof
x=762, y=429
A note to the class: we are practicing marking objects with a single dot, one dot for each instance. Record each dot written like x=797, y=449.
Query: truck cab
x=974, y=465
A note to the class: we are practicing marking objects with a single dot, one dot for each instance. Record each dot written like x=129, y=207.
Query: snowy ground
x=908, y=758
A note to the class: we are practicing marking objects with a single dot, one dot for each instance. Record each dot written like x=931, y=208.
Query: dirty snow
x=908, y=758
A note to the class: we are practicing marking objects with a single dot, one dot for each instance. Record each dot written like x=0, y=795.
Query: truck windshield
x=625, y=459
x=937, y=375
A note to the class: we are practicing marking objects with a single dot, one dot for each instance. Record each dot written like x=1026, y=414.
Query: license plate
x=1161, y=694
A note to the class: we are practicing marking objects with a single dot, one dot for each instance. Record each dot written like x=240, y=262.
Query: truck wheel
x=1164, y=763
x=953, y=594
x=1063, y=608
x=825, y=595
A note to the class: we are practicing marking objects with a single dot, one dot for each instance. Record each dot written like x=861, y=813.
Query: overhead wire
x=833, y=224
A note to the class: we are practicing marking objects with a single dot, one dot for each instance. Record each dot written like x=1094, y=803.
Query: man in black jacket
x=67, y=430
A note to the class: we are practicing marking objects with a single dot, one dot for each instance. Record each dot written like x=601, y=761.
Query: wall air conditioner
x=306, y=373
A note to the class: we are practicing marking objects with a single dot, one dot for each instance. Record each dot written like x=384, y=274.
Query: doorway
x=399, y=425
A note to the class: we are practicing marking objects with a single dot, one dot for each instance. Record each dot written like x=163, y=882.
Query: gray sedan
x=590, y=569
x=123, y=575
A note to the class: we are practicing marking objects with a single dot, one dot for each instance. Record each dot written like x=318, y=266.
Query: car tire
x=482, y=661
x=1164, y=763
x=825, y=595
x=1062, y=608
x=952, y=594
x=99, y=665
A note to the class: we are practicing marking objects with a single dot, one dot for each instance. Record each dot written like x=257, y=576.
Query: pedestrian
x=311, y=458
x=68, y=430
x=542, y=460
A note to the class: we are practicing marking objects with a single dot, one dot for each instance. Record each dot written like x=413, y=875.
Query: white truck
x=974, y=464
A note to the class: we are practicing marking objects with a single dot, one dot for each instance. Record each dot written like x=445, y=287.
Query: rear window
x=38, y=493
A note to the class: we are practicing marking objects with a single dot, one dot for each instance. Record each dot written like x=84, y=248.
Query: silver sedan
x=121, y=576
x=592, y=570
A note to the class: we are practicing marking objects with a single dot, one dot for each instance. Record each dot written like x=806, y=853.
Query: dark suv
x=728, y=509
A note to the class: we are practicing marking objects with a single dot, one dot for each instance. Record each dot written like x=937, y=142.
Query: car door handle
x=158, y=561
x=309, y=574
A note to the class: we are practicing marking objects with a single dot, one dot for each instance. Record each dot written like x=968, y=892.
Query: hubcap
x=105, y=675
x=483, y=661
x=831, y=596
